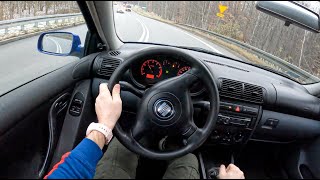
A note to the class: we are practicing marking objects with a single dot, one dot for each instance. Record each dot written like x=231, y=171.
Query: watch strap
x=107, y=132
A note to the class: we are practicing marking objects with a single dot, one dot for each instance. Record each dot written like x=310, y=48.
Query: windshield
x=233, y=28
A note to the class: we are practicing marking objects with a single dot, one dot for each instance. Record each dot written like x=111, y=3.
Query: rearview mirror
x=59, y=44
x=291, y=13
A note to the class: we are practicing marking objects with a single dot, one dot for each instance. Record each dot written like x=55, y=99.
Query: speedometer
x=151, y=69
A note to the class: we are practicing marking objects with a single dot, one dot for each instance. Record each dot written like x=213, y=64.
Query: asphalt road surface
x=132, y=27
x=21, y=62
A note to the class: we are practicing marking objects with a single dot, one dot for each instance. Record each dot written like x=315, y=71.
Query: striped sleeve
x=79, y=163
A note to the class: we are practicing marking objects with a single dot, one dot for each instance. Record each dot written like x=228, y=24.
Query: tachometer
x=183, y=70
x=151, y=69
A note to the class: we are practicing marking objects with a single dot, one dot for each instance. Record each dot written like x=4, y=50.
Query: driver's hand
x=108, y=108
x=232, y=172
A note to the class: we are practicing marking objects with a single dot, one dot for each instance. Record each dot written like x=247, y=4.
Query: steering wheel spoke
x=189, y=130
x=142, y=126
x=194, y=71
x=202, y=104
x=184, y=81
x=194, y=137
x=125, y=86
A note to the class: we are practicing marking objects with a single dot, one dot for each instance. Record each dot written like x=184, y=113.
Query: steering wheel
x=167, y=106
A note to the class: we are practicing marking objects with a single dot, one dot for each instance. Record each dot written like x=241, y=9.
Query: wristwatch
x=107, y=132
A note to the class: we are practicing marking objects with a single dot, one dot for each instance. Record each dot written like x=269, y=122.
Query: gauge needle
x=150, y=67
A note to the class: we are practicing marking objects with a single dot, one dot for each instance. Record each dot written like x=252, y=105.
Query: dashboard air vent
x=108, y=66
x=242, y=91
x=252, y=93
x=114, y=53
x=231, y=88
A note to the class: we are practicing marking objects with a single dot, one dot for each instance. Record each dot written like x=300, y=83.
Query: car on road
x=128, y=8
x=120, y=11
x=241, y=86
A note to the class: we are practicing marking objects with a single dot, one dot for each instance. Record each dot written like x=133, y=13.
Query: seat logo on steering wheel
x=163, y=109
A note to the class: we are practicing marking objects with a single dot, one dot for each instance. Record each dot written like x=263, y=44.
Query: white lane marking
x=144, y=27
x=58, y=47
x=214, y=49
x=143, y=31
x=147, y=34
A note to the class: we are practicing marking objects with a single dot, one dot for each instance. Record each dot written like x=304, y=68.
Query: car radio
x=235, y=123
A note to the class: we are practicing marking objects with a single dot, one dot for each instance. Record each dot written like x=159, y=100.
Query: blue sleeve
x=79, y=164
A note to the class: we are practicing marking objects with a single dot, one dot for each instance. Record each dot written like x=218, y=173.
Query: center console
x=235, y=123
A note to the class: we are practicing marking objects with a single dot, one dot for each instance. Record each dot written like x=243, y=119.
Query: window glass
x=21, y=23
x=211, y=24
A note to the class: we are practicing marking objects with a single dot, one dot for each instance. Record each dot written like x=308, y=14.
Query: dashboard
x=255, y=104
x=150, y=70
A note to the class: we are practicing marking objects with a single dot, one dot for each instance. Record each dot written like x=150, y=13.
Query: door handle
x=56, y=109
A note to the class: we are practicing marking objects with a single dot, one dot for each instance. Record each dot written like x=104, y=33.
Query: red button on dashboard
x=238, y=109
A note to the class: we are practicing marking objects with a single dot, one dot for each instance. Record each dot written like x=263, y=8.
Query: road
x=20, y=61
x=132, y=27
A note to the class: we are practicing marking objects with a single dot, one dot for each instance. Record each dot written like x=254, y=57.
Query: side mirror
x=291, y=13
x=60, y=44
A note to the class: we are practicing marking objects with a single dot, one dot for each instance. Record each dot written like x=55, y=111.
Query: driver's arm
x=81, y=162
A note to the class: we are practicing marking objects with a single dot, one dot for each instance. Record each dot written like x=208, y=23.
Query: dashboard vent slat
x=242, y=91
x=108, y=66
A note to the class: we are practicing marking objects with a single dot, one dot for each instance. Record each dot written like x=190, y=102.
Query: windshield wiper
x=206, y=51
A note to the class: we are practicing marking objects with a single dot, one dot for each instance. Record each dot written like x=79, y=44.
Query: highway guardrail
x=43, y=20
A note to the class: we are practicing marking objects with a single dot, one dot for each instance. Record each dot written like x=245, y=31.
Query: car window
x=21, y=23
x=232, y=28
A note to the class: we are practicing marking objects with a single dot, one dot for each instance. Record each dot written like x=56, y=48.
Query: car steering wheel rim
x=174, y=92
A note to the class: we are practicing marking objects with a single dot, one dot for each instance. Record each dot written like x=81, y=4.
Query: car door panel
x=27, y=97
x=23, y=147
x=74, y=126
x=24, y=132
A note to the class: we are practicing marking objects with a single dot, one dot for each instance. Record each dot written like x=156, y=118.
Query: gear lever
x=213, y=173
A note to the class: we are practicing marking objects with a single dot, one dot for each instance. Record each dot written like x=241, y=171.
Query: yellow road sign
x=220, y=15
x=222, y=9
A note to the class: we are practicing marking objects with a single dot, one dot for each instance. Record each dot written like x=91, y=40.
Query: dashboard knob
x=238, y=137
x=226, y=120
x=215, y=135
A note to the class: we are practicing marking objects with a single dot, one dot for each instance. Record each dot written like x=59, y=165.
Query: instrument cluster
x=151, y=70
